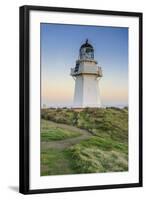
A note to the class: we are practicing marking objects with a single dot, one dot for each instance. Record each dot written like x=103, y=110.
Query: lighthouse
x=86, y=74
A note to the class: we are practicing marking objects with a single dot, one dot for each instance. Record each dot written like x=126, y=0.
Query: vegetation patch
x=112, y=121
x=55, y=162
x=49, y=131
x=105, y=149
x=93, y=160
x=105, y=144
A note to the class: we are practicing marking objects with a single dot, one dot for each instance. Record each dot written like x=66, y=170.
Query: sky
x=60, y=46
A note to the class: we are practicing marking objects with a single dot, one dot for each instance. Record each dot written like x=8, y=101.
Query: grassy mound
x=54, y=161
x=105, y=151
x=109, y=122
x=50, y=132
x=99, y=155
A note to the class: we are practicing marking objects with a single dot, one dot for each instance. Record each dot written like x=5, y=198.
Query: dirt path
x=62, y=144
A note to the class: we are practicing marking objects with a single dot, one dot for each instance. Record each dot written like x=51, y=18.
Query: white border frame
x=132, y=176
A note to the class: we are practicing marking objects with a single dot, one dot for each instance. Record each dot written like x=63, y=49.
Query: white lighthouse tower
x=87, y=75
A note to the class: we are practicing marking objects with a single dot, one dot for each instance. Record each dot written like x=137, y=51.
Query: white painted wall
x=86, y=93
x=88, y=68
x=91, y=95
x=9, y=102
x=78, y=92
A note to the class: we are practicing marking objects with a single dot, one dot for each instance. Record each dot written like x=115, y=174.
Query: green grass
x=99, y=155
x=49, y=132
x=105, y=151
x=112, y=121
x=105, y=144
x=92, y=160
x=54, y=162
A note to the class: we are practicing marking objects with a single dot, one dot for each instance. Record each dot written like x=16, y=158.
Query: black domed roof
x=86, y=44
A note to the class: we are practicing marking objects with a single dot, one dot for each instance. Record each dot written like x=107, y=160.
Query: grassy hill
x=85, y=141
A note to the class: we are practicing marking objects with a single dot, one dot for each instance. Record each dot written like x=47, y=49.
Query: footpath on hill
x=62, y=144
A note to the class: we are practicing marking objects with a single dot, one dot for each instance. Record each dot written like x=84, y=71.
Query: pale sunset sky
x=60, y=46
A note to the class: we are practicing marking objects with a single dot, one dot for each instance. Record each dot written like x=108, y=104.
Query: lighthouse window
x=88, y=50
x=92, y=55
